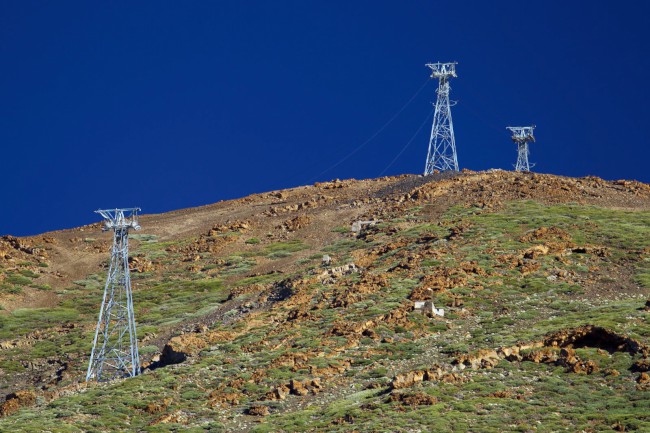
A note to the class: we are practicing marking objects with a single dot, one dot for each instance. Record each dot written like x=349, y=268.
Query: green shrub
x=28, y=273
x=288, y=247
x=18, y=280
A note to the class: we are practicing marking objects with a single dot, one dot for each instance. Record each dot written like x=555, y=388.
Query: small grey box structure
x=428, y=308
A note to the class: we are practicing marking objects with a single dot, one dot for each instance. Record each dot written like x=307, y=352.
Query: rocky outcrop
x=545, y=233
x=472, y=188
x=178, y=349
x=434, y=373
x=140, y=264
x=642, y=365
x=408, y=379
x=330, y=275
x=224, y=399
x=258, y=410
x=413, y=399
x=176, y=417
x=295, y=387
x=17, y=400
x=368, y=285
x=558, y=348
x=229, y=227
x=297, y=223
x=598, y=337
x=158, y=406
x=397, y=316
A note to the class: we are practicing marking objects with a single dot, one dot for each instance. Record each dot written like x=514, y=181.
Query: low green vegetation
x=357, y=330
x=279, y=250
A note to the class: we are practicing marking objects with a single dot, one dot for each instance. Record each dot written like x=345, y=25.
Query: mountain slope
x=544, y=280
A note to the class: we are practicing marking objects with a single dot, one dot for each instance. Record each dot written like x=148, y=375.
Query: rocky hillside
x=544, y=281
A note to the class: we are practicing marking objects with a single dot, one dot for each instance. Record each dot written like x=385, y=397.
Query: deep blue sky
x=166, y=105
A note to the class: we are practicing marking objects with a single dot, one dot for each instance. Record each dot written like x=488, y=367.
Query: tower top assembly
x=442, y=144
x=126, y=218
x=443, y=70
x=522, y=135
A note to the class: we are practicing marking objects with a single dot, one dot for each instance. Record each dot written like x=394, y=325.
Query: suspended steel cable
x=373, y=136
x=408, y=143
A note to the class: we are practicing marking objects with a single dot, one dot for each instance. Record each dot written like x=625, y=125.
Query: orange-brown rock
x=527, y=266
x=454, y=378
x=598, y=251
x=472, y=267
x=297, y=223
x=483, y=358
x=258, y=410
x=584, y=367
x=180, y=347
x=315, y=384
x=501, y=394
x=543, y=233
x=237, y=227
x=457, y=231
x=439, y=279
x=568, y=355
x=455, y=302
x=509, y=261
x=536, y=251
x=172, y=418
x=413, y=399
x=573, y=363
x=140, y=264
x=331, y=370
x=543, y=355
x=294, y=360
x=641, y=365
x=397, y=316
x=433, y=373
x=157, y=407
x=297, y=387
x=17, y=400
x=369, y=284
x=334, y=184
x=407, y=379
x=279, y=393
x=9, y=407
x=371, y=333
x=365, y=259
x=219, y=398
x=597, y=337
x=643, y=379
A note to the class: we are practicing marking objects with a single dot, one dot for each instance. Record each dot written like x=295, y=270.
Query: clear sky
x=166, y=105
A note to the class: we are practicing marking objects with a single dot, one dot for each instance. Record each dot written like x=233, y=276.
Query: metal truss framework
x=522, y=135
x=115, y=347
x=442, y=144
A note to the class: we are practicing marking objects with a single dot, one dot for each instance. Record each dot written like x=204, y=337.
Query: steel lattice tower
x=522, y=135
x=115, y=348
x=442, y=144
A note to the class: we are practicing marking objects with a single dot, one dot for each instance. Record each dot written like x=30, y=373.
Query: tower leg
x=522, y=157
x=115, y=347
x=442, y=143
